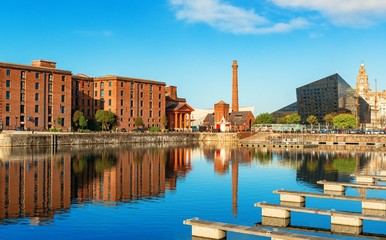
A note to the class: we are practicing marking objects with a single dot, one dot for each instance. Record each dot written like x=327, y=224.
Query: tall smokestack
x=235, y=88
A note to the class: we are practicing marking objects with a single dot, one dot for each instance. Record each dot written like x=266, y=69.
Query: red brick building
x=40, y=97
x=35, y=97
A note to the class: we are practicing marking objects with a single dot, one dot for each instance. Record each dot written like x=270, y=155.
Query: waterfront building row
x=40, y=97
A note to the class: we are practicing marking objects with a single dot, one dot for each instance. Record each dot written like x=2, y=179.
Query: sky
x=279, y=44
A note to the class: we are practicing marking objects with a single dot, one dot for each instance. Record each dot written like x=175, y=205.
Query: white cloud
x=342, y=12
x=230, y=18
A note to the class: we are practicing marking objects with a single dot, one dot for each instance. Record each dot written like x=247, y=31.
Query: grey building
x=331, y=94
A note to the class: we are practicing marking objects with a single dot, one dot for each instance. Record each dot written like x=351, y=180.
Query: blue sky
x=279, y=44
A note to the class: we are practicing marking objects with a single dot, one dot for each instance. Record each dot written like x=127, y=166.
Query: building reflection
x=37, y=187
x=222, y=157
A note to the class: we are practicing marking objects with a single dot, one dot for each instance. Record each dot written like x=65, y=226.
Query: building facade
x=36, y=97
x=39, y=97
x=375, y=99
x=331, y=94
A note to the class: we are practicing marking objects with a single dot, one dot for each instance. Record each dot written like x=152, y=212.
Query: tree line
x=341, y=121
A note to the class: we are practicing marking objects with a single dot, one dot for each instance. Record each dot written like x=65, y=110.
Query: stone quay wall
x=59, y=139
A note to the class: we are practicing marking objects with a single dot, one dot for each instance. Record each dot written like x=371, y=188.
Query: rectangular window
x=36, y=108
x=7, y=121
x=131, y=103
x=50, y=98
x=8, y=83
x=63, y=88
x=159, y=104
x=159, y=96
x=62, y=109
x=63, y=78
x=22, y=97
x=7, y=107
x=36, y=96
x=132, y=85
x=109, y=102
x=96, y=94
x=22, y=75
x=7, y=95
x=8, y=73
x=122, y=93
x=110, y=84
x=22, y=109
x=132, y=94
x=151, y=95
x=22, y=85
x=141, y=113
x=151, y=105
x=50, y=77
x=50, y=119
x=36, y=86
x=36, y=122
x=121, y=102
x=121, y=84
x=102, y=93
x=62, y=122
x=151, y=114
x=49, y=109
x=102, y=85
x=131, y=113
x=121, y=112
x=151, y=88
x=64, y=98
x=141, y=103
x=109, y=93
x=50, y=87
x=37, y=75
x=141, y=94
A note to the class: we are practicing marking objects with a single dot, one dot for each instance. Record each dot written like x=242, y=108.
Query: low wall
x=58, y=139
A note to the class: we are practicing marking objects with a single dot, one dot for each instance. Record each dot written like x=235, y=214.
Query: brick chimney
x=235, y=88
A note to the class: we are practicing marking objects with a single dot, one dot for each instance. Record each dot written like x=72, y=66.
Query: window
x=131, y=103
x=110, y=84
x=7, y=95
x=63, y=88
x=151, y=114
x=121, y=84
x=36, y=86
x=132, y=85
x=151, y=95
x=159, y=96
x=110, y=102
x=96, y=84
x=151, y=88
x=22, y=109
x=50, y=87
x=22, y=97
x=131, y=113
x=62, y=122
x=132, y=94
x=36, y=108
x=36, y=122
x=102, y=85
x=50, y=119
x=102, y=103
x=63, y=78
x=151, y=105
x=50, y=77
x=141, y=113
x=49, y=109
x=36, y=96
x=159, y=104
x=141, y=104
x=8, y=73
x=122, y=93
x=7, y=107
x=22, y=75
x=8, y=83
x=7, y=121
x=102, y=93
x=96, y=94
x=121, y=102
x=37, y=75
x=121, y=112
x=109, y=93
x=62, y=109
x=50, y=98
x=64, y=98
x=141, y=94
x=22, y=85
x=141, y=86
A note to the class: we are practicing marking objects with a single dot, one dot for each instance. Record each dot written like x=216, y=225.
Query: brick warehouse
x=36, y=97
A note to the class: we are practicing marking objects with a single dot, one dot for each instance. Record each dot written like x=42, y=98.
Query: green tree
x=344, y=121
x=82, y=122
x=264, y=118
x=58, y=121
x=281, y=120
x=106, y=118
x=76, y=118
x=292, y=118
x=138, y=122
x=312, y=120
x=328, y=118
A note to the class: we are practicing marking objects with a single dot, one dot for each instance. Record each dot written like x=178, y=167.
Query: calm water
x=145, y=192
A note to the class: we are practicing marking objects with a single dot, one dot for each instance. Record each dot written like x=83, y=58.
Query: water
x=146, y=191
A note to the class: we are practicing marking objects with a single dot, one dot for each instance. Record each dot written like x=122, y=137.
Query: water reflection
x=36, y=183
x=39, y=184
